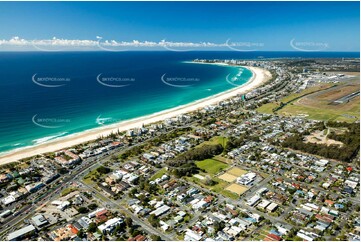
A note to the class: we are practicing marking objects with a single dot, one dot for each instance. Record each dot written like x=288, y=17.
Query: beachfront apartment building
x=67, y=158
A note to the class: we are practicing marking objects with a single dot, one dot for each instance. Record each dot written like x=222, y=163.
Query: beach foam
x=48, y=138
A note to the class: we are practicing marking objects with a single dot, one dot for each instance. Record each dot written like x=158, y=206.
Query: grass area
x=159, y=174
x=229, y=194
x=305, y=92
x=211, y=166
x=322, y=113
x=217, y=188
x=223, y=159
x=88, y=178
x=67, y=190
x=267, y=108
x=315, y=109
x=220, y=140
x=216, y=140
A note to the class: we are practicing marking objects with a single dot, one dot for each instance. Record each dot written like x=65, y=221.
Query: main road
x=86, y=166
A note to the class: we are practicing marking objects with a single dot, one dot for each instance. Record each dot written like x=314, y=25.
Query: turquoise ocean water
x=46, y=95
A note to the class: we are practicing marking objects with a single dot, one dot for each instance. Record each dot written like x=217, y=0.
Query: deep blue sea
x=45, y=95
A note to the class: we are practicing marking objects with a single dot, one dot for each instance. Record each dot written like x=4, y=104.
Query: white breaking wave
x=47, y=138
x=102, y=121
x=17, y=144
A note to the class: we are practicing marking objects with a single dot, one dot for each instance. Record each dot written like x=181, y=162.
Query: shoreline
x=259, y=76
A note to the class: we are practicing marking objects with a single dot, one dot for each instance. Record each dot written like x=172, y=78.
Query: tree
x=81, y=234
x=218, y=226
x=346, y=152
x=132, y=192
x=155, y=237
x=83, y=210
x=153, y=220
x=134, y=232
x=92, y=206
x=62, y=170
x=103, y=170
x=143, y=199
x=233, y=143
x=92, y=227
x=129, y=222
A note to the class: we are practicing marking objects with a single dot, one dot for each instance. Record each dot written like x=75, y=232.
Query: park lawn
x=211, y=166
x=88, y=178
x=223, y=159
x=215, y=140
x=159, y=174
x=68, y=190
x=219, y=140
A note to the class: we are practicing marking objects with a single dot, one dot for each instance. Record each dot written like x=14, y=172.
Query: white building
x=192, y=236
x=263, y=204
x=110, y=225
x=159, y=211
x=253, y=200
x=321, y=162
x=272, y=207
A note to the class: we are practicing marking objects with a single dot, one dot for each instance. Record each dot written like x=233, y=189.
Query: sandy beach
x=259, y=77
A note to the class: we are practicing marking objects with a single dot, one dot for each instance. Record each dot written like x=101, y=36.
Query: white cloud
x=99, y=43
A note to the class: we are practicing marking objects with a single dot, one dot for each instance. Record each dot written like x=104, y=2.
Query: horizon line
x=165, y=50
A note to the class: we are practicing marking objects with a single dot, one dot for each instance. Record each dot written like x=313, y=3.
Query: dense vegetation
x=183, y=165
x=233, y=143
x=103, y=170
x=350, y=139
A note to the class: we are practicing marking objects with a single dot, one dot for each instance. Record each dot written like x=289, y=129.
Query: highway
x=84, y=168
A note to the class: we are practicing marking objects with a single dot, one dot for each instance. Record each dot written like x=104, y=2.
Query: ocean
x=47, y=95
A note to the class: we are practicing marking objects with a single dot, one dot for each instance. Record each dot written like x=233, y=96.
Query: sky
x=248, y=26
